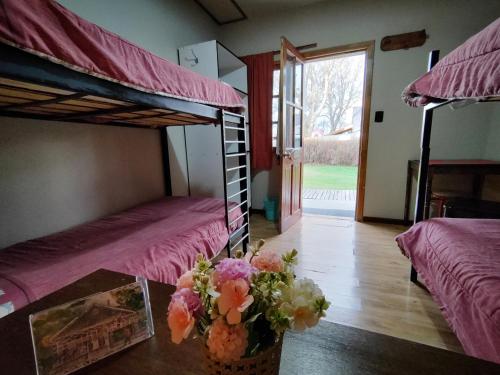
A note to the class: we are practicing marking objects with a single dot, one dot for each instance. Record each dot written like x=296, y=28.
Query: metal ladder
x=236, y=178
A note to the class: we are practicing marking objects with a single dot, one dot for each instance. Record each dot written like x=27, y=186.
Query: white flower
x=299, y=302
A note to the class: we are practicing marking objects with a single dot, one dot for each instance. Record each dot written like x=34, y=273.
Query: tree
x=331, y=87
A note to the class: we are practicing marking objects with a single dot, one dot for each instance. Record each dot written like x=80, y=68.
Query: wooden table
x=478, y=168
x=326, y=349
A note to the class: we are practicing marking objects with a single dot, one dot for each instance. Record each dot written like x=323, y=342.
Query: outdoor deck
x=329, y=202
x=330, y=195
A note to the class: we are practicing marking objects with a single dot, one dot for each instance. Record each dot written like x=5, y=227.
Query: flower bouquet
x=242, y=306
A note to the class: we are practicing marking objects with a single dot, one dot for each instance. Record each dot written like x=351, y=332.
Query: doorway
x=333, y=104
x=339, y=166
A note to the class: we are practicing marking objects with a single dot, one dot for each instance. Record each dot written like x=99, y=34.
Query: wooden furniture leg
x=428, y=196
x=413, y=275
x=409, y=180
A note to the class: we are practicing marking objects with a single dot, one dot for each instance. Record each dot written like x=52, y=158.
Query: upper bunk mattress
x=47, y=29
x=159, y=240
x=471, y=71
x=459, y=261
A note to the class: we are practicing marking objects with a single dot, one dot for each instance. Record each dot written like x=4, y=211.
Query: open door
x=290, y=133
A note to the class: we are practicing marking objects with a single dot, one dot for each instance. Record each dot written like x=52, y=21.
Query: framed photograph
x=73, y=335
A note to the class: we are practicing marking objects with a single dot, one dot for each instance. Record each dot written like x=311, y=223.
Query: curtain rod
x=305, y=46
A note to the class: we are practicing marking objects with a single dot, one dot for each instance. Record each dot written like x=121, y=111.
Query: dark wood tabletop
x=326, y=349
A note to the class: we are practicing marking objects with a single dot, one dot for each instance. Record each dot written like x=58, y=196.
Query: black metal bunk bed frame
x=35, y=88
x=423, y=200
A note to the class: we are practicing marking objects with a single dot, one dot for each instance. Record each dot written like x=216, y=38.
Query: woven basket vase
x=264, y=363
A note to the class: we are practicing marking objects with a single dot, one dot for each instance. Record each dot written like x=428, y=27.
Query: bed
x=459, y=262
x=458, y=259
x=57, y=66
x=159, y=240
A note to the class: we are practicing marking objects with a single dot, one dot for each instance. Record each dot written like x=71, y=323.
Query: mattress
x=459, y=262
x=47, y=29
x=471, y=71
x=159, y=240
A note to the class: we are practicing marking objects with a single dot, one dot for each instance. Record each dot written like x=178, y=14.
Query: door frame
x=369, y=48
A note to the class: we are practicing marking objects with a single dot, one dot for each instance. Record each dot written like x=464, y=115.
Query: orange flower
x=180, y=321
x=268, y=261
x=227, y=343
x=234, y=299
x=185, y=281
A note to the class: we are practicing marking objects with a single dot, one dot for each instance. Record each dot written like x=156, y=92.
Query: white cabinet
x=203, y=143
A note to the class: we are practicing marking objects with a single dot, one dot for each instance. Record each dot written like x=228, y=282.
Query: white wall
x=492, y=149
x=160, y=26
x=393, y=142
x=54, y=176
x=57, y=175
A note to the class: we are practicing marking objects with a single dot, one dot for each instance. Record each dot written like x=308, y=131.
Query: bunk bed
x=57, y=66
x=458, y=259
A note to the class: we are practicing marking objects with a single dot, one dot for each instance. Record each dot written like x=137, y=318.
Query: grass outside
x=333, y=177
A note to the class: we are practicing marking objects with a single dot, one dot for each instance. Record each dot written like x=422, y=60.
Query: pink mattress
x=459, y=261
x=47, y=29
x=159, y=240
x=471, y=71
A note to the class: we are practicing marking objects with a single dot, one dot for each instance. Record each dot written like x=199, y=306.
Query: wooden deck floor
x=325, y=194
x=363, y=274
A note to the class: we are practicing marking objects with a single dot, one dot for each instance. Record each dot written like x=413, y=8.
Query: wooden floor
x=363, y=274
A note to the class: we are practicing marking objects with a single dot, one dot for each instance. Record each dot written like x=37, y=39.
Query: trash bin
x=271, y=209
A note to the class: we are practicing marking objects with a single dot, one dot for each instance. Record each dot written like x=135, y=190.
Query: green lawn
x=330, y=177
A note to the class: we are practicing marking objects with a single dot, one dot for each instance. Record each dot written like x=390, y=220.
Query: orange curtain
x=260, y=95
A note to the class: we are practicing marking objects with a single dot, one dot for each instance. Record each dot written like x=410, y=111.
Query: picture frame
x=78, y=333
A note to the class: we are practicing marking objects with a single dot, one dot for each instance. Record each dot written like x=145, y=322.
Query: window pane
x=275, y=134
x=275, y=109
x=289, y=126
x=298, y=84
x=297, y=141
x=289, y=76
x=276, y=82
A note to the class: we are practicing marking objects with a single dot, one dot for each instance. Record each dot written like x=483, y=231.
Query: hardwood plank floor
x=363, y=274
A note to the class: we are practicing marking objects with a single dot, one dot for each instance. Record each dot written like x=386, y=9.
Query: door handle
x=288, y=153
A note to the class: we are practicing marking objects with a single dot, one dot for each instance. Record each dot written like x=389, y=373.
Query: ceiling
x=229, y=11
x=255, y=8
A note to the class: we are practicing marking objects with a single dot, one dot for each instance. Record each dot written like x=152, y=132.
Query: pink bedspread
x=471, y=71
x=159, y=240
x=47, y=29
x=459, y=261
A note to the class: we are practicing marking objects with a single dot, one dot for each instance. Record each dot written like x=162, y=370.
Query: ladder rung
x=232, y=142
x=240, y=241
x=233, y=117
x=236, y=154
x=236, y=194
x=238, y=218
x=235, y=168
x=233, y=128
x=235, y=207
x=235, y=181
x=236, y=232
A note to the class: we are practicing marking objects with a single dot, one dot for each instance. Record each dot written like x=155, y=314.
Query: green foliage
x=132, y=299
x=333, y=177
x=321, y=305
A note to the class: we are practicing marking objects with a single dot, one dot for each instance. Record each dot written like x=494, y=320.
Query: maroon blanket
x=459, y=261
x=159, y=240
x=47, y=29
x=471, y=71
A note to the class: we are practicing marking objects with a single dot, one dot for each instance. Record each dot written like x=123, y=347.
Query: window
x=276, y=95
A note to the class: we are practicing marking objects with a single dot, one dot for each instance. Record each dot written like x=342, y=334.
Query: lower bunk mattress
x=459, y=262
x=159, y=240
